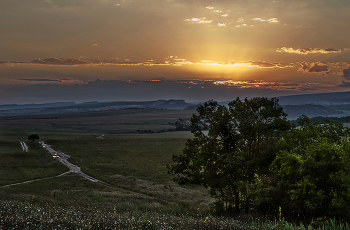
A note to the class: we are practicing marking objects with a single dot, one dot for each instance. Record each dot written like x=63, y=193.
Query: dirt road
x=63, y=158
x=24, y=146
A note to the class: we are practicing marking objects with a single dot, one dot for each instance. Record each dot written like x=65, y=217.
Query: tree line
x=253, y=160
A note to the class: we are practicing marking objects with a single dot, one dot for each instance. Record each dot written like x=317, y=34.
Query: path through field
x=144, y=187
x=63, y=158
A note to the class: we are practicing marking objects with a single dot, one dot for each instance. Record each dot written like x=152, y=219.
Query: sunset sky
x=196, y=50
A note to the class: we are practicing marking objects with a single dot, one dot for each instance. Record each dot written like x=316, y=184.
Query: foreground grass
x=28, y=215
x=72, y=202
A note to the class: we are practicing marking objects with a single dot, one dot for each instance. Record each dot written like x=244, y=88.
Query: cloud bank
x=308, y=50
x=169, y=61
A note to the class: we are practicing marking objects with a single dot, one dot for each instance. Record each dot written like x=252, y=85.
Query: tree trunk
x=246, y=205
x=237, y=200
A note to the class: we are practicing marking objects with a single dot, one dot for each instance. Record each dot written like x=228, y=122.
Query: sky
x=196, y=50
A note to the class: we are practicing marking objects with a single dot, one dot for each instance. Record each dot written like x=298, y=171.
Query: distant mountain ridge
x=321, y=104
x=337, y=98
x=72, y=107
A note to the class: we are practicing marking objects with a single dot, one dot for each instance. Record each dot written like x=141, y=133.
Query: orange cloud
x=308, y=50
x=278, y=86
x=170, y=61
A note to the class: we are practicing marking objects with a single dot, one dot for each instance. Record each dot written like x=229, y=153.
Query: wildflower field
x=136, y=193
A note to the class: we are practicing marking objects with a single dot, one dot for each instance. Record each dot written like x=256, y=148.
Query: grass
x=18, y=166
x=141, y=194
x=140, y=156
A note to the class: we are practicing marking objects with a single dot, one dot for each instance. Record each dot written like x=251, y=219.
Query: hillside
x=71, y=107
x=338, y=98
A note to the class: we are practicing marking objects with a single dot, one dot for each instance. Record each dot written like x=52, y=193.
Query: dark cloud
x=344, y=84
x=308, y=50
x=317, y=67
x=11, y=62
x=59, y=61
x=48, y=80
x=345, y=73
x=17, y=62
x=42, y=79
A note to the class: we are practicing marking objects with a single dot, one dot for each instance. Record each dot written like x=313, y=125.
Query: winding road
x=63, y=158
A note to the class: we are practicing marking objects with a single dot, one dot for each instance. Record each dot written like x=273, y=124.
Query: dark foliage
x=235, y=155
x=33, y=137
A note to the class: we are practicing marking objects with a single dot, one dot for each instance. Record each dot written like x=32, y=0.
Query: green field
x=136, y=193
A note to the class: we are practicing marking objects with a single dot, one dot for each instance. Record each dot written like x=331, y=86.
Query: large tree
x=232, y=148
x=313, y=170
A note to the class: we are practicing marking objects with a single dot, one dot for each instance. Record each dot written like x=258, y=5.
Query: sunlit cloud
x=218, y=11
x=224, y=15
x=308, y=50
x=272, y=20
x=199, y=20
x=243, y=25
x=278, y=86
x=259, y=19
x=221, y=24
x=210, y=7
x=240, y=64
x=255, y=84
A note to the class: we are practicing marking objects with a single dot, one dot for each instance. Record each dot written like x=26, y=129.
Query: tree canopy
x=312, y=169
x=33, y=137
x=235, y=152
x=251, y=159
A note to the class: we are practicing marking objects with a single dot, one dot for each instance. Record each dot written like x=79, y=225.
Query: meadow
x=137, y=192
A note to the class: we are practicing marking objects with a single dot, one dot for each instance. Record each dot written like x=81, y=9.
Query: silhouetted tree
x=33, y=137
x=236, y=152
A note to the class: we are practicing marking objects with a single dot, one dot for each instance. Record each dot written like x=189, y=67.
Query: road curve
x=63, y=158
x=24, y=146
